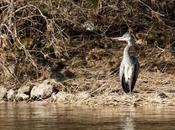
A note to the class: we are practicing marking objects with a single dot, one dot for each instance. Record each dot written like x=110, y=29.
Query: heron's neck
x=126, y=50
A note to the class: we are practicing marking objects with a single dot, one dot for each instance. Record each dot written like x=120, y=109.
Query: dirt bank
x=152, y=88
x=70, y=43
x=93, y=80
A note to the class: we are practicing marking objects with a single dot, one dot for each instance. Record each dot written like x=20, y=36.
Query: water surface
x=37, y=116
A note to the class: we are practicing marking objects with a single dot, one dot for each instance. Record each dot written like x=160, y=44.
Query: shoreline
x=106, y=92
x=113, y=99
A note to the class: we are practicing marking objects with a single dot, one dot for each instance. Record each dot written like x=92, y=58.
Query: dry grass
x=70, y=40
x=152, y=88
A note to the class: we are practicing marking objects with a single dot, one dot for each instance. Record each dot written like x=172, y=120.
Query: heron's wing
x=135, y=71
x=124, y=82
x=121, y=72
x=125, y=85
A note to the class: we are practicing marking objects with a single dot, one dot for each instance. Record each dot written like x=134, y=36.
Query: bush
x=37, y=35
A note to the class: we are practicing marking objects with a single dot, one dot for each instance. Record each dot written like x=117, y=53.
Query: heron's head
x=126, y=37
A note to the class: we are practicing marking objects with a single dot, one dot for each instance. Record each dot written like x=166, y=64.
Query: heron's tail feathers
x=125, y=85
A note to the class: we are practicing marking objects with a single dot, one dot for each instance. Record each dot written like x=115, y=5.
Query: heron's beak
x=119, y=38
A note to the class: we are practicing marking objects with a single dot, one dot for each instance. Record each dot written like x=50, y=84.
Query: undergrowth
x=38, y=39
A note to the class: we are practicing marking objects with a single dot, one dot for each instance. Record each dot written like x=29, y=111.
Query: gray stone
x=11, y=95
x=25, y=89
x=3, y=92
x=21, y=97
x=162, y=95
x=42, y=91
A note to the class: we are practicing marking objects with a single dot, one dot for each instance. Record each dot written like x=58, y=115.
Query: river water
x=38, y=116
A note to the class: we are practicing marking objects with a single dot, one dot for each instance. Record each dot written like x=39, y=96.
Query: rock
x=89, y=26
x=3, y=92
x=49, y=81
x=162, y=95
x=21, y=97
x=42, y=91
x=25, y=89
x=11, y=95
x=23, y=93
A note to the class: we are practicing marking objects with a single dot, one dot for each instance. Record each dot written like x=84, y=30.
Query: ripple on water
x=38, y=116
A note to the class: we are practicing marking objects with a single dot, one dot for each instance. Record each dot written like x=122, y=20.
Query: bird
x=129, y=67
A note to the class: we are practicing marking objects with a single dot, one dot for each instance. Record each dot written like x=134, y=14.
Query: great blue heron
x=129, y=67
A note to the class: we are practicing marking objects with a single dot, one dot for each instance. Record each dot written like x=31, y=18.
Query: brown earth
x=93, y=80
x=97, y=82
x=70, y=41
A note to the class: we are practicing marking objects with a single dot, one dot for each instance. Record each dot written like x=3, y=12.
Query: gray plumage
x=129, y=67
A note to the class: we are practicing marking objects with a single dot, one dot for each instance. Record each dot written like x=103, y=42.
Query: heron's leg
x=130, y=90
x=131, y=93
